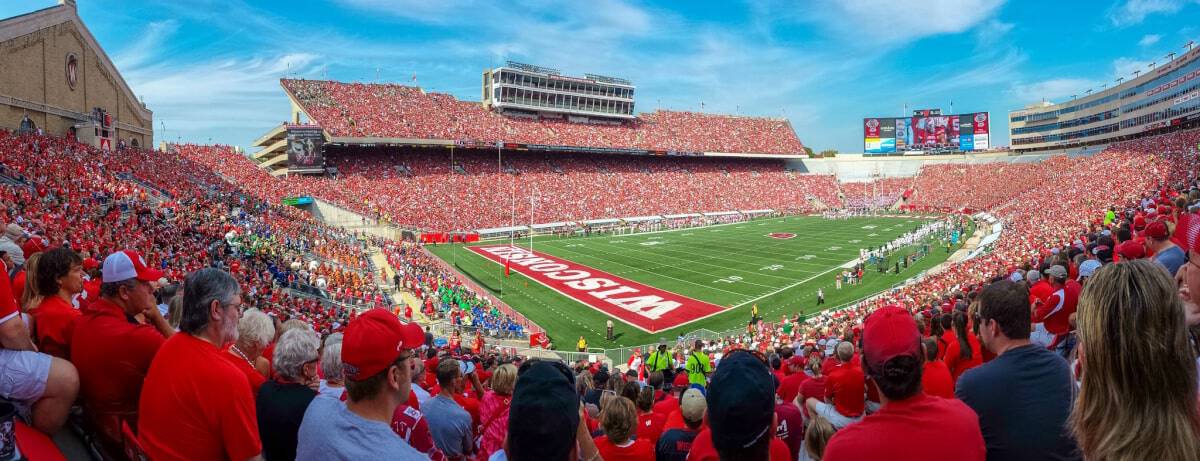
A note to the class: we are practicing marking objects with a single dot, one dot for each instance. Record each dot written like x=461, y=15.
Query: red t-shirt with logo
x=790, y=428
x=903, y=430
x=650, y=427
x=196, y=405
x=410, y=424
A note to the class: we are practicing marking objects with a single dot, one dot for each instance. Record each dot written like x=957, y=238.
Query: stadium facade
x=55, y=78
x=1162, y=98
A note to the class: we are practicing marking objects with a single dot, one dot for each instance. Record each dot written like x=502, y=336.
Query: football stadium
x=540, y=267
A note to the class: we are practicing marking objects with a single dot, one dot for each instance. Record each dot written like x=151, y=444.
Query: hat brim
x=412, y=336
x=149, y=275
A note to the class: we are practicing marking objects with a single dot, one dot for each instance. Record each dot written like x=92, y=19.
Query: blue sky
x=209, y=69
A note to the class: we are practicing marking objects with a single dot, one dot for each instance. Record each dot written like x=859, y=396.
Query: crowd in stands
x=397, y=111
x=880, y=193
x=159, y=297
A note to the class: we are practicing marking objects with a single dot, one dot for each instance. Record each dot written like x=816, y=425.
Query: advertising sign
x=306, y=149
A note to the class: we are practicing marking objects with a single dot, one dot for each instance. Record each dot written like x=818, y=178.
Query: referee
x=660, y=360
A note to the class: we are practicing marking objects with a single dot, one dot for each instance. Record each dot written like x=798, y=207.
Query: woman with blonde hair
x=493, y=410
x=815, y=439
x=1137, y=396
x=619, y=420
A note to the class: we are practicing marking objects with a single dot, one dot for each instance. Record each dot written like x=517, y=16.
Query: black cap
x=544, y=414
x=741, y=402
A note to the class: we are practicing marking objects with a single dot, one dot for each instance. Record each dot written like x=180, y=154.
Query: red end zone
x=647, y=308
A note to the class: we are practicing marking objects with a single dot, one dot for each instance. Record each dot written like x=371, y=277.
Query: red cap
x=125, y=265
x=796, y=361
x=1139, y=222
x=90, y=263
x=1187, y=232
x=890, y=332
x=681, y=380
x=1157, y=230
x=373, y=341
x=1131, y=250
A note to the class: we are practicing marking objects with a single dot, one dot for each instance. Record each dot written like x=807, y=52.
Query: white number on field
x=730, y=279
x=855, y=241
x=869, y=226
x=652, y=242
x=685, y=235
x=805, y=257
x=573, y=245
x=872, y=235
x=833, y=248
x=773, y=267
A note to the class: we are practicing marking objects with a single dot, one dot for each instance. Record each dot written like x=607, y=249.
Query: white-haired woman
x=333, y=383
x=255, y=331
x=283, y=400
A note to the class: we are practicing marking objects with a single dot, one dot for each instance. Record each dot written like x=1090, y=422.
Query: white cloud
x=889, y=22
x=1150, y=39
x=1135, y=11
x=1056, y=89
x=147, y=45
x=1124, y=67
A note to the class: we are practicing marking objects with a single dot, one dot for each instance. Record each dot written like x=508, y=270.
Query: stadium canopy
x=684, y=215
x=721, y=213
x=501, y=230
x=757, y=212
x=642, y=218
x=553, y=225
x=599, y=221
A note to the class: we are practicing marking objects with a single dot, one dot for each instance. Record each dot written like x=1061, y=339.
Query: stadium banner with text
x=306, y=149
x=644, y=307
x=879, y=135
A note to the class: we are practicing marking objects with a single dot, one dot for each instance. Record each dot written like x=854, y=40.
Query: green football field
x=735, y=265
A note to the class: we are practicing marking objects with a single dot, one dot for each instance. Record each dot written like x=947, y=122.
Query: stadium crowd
x=1078, y=324
x=397, y=111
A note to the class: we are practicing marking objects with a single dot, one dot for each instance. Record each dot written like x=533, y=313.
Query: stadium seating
x=397, y=111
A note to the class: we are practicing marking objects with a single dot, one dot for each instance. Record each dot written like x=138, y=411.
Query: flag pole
x=531, y=205
x=500, y=172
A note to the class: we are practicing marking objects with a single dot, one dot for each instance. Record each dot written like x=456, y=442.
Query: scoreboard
x=927, y=130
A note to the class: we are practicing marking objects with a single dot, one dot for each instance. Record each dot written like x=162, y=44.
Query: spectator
x=649, y=424
x=42, y=386
x=789, y=388
x=964, y=352
x=333, y=384
x=494, y=408
x=1051, y=316
x=1166, y=253
x=418, y=376
x=741, y=412
x=376, y=349
x=1122, y=306
x=698, y=366
x=908, y=419
x=449, y=422
x=845, y=390
x=676, y=443
x=935, y=378
x=113, y=351
x=59, y=279
x=255, y=331
x=816, y=438
x=538, y=427
x=618, y=418
x=1023, y=396
x=13, y=233
x=194, y=404
x=283, y=400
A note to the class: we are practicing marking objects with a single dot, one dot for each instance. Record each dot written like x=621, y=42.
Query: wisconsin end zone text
x=647, y=308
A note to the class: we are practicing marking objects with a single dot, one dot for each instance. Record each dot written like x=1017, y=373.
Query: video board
x=927, y=131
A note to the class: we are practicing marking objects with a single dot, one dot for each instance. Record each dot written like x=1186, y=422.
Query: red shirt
x=814, y=388
x=410, y=424
x=918, y=428
x=54, y=325
x=639, y=450
x=650, y=427
x=936, y=381
x=790, y=387
x=253, y=377
x=665, y=405
x=790, y=427
x=112, y=353
x=8, y=303
x=847, y=386
x=472, y=406
x=703, y=449
x=954, y=359
x=196, y=406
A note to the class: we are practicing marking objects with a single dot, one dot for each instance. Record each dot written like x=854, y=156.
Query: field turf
x=735, y=265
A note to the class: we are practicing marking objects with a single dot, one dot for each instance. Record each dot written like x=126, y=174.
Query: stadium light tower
x=1136, y=73
x=1189, y=44
x=1170, y=56
x=1119, y=80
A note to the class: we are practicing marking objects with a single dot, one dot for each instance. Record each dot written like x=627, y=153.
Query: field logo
x=781, y=235
x=647, y=308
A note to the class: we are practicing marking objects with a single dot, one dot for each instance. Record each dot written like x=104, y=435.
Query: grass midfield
x=730, y=265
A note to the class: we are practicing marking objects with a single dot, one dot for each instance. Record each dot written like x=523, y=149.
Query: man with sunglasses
x=376, y=349
x=112, y=349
